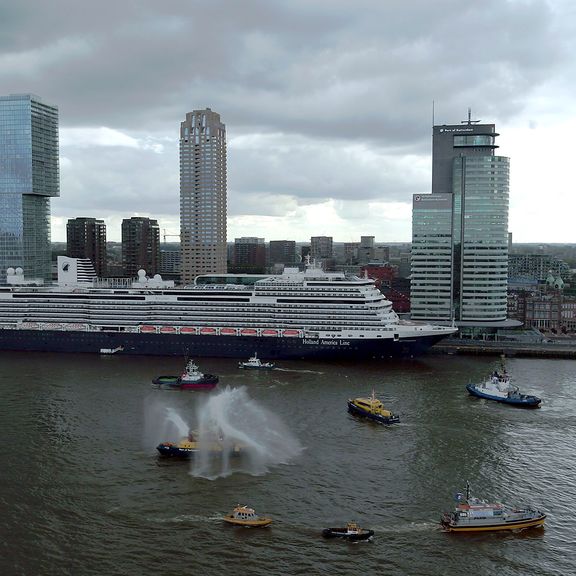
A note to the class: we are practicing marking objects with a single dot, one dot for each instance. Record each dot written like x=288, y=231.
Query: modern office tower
x=170, y=262
x=202, y=194
x=382, y=254
x=140, y=246
x=321, y=247
x=86, y=238
x=29, y=177
x=366, y=249
x=460, y=231
x=249, y=254
x=351, y=253
x=283, y=252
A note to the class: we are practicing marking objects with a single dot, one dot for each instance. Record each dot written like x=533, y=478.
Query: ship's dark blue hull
x=518, y=400
x=211, y=346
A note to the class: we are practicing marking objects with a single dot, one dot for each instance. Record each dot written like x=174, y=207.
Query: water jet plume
x=237, y=434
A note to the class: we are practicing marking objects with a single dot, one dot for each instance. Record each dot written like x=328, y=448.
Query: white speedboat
x=254, y=363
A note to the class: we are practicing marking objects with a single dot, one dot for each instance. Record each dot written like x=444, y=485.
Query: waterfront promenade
x=560, y=348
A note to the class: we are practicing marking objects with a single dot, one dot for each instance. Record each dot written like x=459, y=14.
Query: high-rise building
x=86, y=238
x=366, y=249
x=283, y=252
x=202, y=194
x=29, y=177
x=140, y=246
x=249, y=255
x=321, y=247
x=460, y=231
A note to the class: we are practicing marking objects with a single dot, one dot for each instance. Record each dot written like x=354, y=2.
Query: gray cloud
x=336, y=95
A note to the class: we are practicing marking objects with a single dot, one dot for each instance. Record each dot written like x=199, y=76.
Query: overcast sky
x=327, y=105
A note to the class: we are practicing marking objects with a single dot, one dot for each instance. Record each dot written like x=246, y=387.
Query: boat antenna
x=467, y=490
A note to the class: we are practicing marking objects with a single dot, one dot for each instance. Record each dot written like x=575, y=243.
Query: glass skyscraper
x=29, y=176
x=202, y=194
x=460, y=231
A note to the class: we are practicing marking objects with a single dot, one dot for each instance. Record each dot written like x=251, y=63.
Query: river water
x=82, y=491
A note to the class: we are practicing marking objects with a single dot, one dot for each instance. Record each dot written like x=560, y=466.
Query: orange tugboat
x=245, y=516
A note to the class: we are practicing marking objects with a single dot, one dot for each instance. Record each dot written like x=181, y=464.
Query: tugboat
x=372, y=409
x=190, y=379
x=498, y=388
x=352, y=532
x=190, y=445
x=475, y=515
x=254, y=363
x=244, y=516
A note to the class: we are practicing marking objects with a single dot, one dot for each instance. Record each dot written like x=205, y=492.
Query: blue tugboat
x=372, y=409
x=498, y=388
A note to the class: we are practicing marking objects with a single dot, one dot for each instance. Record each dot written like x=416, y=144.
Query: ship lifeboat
x=188, y=330
x=248, y=332
x=168, y=330
x=76, y=326
x=228, y=331
x=146, y=328
x=269, y=332
x=207, y=330
x=290, y=332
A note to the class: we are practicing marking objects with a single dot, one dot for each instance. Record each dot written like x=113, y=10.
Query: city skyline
x=329, y=113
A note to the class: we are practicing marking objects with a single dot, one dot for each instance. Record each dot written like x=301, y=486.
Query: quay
x=551, y=349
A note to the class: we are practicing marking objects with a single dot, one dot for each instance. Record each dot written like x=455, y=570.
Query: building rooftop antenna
x=470, y=121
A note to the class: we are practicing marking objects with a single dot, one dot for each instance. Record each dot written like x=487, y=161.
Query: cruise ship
x=298, y=314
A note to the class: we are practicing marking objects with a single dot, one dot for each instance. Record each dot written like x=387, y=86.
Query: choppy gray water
x=82, y=491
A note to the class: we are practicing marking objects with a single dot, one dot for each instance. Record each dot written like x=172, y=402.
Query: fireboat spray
x=250, y=438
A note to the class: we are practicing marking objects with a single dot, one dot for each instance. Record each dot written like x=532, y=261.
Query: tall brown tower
x=202, y=194
x=86, y=238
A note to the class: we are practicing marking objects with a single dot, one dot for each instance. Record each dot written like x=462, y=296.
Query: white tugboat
x=475, y=515
x=254, y=363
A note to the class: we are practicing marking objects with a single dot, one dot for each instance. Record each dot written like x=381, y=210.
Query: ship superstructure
x=296, y=314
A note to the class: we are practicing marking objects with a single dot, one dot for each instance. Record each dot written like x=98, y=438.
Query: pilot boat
x=351, y=532
x=475, y=515
x=191, y=378
x=498, y=387
x=191, y=445
x=373, y=409
x=245, y=516
x=254, y=363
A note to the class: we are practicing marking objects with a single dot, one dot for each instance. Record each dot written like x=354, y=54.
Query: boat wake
x=298, y=371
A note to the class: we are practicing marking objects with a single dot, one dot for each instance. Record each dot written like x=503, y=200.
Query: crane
x=166, y=235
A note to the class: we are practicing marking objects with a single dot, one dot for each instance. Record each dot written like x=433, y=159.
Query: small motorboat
x=190, y=379
x=111, y=350
x=254, y=363
x=373, y=409
x=475, y=515
x=190, y=445
x=498, y=388
x=245, y=516
x=351, y=532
